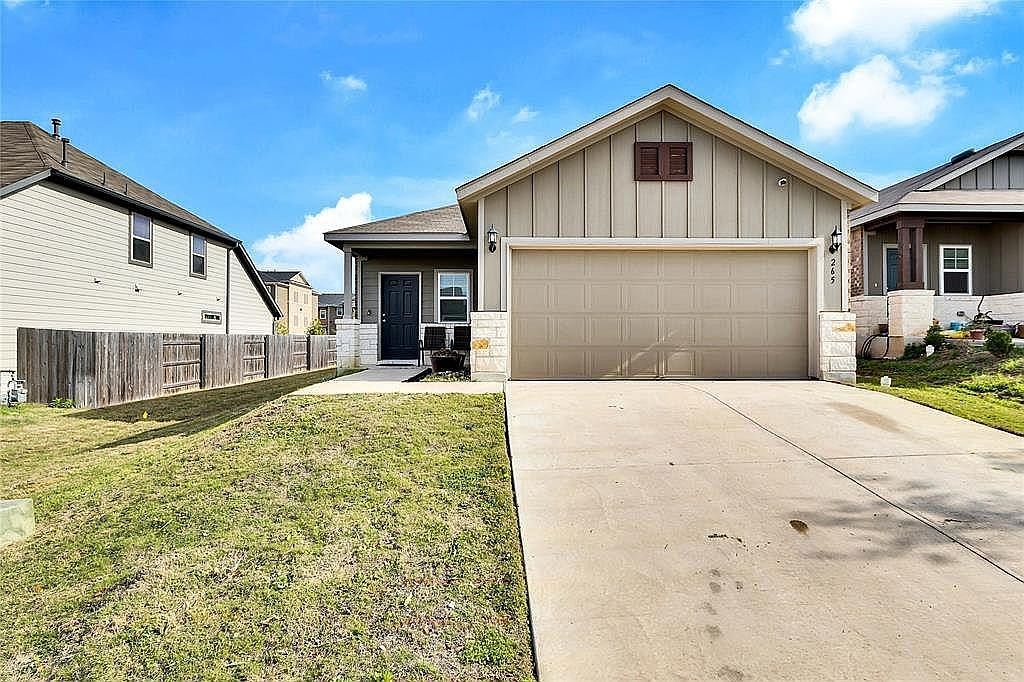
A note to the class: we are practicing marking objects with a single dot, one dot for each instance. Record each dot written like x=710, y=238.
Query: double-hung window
x=140, y=251
x=197, y=267
x=955, y=269
x=453, y=297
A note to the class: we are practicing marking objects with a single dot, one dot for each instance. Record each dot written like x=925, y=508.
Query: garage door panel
x=605, y=298
x=618, y=314
x=642, y=298
x=678, y=298
x=606, y=331
x=607, y=364
x=677, y=330
x=568, y=331
x=714, y=331
x=679, y=363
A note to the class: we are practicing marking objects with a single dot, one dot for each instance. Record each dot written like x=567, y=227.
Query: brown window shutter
x=678, y=161
x=647, y=162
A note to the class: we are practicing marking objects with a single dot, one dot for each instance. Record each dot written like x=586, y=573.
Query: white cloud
x=483, y=101
x=930, y=61
x=872, y=95
x=303, y=247
x=524, y=114
x=1008, y=57
x=348, y=83
x=826, y=25
x=780, y=57
x=973, y=66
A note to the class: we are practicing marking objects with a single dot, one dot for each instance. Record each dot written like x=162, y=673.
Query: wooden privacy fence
x=95, y=369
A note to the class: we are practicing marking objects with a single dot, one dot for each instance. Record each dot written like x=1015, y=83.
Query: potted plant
x=445, y=360
x=977, y=333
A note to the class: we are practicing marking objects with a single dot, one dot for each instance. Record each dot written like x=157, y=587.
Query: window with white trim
x=955, y=269
x=197, y=268
x=140, y=251
x=453, y=297
x=323, y=313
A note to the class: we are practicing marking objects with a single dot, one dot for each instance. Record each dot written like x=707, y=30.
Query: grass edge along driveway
x=240, y=533
x=968, y=382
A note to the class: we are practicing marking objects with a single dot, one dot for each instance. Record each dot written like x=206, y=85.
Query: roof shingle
x=443, y=220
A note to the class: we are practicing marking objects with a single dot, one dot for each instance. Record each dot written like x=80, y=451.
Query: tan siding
x=1003, y=172
x=827, y=216
x=545, y=202
x=570, y=196
x=592, y=193
x=776, y=203
x=598, y=179
x=623, y=184
x=675, y=194
x=248, y=313
x=751, y=195
x=1016, y=171
x=726, y=172
x=801, y=208
x=57, y=242
x=493, y=214
x=520, y=208
x=648, y=194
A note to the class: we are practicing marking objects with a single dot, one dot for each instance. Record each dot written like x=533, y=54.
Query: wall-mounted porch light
x=492, y=239
x=837, y=240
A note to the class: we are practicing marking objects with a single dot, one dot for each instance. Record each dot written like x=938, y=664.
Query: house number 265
x=832, y=271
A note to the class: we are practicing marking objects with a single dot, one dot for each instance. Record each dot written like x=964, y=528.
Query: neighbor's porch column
x=910, y=252
x=347, y=279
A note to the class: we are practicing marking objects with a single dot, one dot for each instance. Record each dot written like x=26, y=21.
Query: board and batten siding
x=592, y=193
x=1004, y=172
x=64, y=265
x=248, y=312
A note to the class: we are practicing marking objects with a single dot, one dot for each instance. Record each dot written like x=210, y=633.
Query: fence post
x=309, y=352
x=202, y=361
x=266, y=356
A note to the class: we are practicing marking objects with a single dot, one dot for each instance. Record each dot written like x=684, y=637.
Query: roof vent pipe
x=64, y=151
x=56, y=128
x=962, y=155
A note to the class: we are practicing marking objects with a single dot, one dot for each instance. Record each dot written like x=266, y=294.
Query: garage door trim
x=815, y=248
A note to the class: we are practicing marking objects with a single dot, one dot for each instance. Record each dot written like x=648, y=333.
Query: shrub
x=998, y=342
x=316, y=328
x=934, y=337
x=912, y=351
x=62, y=403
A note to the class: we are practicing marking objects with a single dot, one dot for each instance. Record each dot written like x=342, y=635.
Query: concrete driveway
x=764, y=531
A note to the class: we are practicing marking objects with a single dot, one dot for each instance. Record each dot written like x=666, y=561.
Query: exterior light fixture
x=492, y=239
x=837, y=240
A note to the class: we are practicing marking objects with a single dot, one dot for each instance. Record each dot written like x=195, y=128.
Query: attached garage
x=651, y=313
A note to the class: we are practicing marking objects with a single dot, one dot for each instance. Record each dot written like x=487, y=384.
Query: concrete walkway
x=765, y=531
x=395, y=379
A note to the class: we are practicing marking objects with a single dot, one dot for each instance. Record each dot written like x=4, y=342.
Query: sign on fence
x=95, y=369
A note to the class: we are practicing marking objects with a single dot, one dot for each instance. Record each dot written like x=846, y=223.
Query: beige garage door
x=618, y=314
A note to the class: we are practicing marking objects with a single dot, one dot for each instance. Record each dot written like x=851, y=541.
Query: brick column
x=837, y=340
x=488, y=354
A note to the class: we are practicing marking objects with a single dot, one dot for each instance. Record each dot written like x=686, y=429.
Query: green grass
x=967, y=382
x=239, y=533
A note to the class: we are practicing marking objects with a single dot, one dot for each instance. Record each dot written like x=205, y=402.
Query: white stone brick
x=836, y=348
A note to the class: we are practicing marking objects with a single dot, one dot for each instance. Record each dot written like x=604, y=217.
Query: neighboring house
x=294, y=296
x=937, y=243
x=330, y=308
x=665, y=239
x=83, y=246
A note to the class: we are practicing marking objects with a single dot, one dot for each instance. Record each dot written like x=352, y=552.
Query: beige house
x=938, y=243
x=85, y=247
x=665, y=239
x=294, y=296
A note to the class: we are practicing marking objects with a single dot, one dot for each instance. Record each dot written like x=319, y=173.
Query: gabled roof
x=337, y=300
x=283, y=277
x=30, y=155
x=444, y=220
x=675, y=100
x=911, y=190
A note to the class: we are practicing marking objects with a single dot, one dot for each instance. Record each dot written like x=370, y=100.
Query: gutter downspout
x=227, y=295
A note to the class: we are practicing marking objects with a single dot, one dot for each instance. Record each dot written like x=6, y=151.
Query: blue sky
x=277, y=121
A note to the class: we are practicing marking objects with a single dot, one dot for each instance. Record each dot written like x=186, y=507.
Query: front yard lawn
x=240, y=533
x=970, y=383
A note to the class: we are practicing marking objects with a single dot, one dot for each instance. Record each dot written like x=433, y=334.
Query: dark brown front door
x=399, y=317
